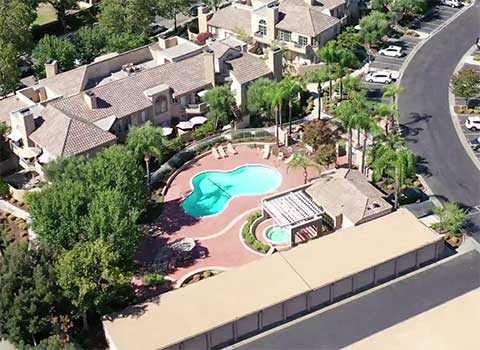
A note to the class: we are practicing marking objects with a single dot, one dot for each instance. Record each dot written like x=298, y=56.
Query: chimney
x=272, y=19
x=202, y=19
x=23, y=123
x=90, y=99
x=275, y=62
x=52, y=68
x=209, y=66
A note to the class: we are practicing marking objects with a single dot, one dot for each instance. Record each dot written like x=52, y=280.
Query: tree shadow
x=174, y=217
x=415, y=118
x=421, y=166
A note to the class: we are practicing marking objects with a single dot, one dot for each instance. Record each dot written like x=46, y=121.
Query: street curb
x=432, y=34
x=454, y=116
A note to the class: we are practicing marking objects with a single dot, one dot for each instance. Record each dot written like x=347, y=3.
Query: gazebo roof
x=292, y=209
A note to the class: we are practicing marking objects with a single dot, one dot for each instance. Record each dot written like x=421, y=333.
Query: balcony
x=27, y=165
x=199, y=108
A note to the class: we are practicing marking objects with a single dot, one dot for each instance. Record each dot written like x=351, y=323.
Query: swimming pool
x=213, y=189
x=277, y=234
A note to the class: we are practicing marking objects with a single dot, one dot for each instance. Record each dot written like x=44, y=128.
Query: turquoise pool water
x=277, y=234
x=213, y=189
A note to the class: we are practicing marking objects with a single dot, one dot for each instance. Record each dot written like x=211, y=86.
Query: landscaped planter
x=201, y=275
x=248, y=234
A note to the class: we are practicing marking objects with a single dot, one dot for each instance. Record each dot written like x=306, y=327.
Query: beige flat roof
x=449, y=326
x=358, y=248
x=195, y=309
x=184, y=313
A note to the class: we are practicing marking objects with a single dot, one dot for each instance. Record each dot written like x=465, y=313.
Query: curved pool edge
x=192, y=188
x=271, y=242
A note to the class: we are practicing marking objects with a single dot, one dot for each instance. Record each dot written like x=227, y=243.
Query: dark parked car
x=156, y=29
x=409, y=195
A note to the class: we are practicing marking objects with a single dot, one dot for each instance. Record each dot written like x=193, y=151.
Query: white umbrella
x=227, y=127
x=185, y=125
x=167, y=131
x=199, y=120
x=202, y=93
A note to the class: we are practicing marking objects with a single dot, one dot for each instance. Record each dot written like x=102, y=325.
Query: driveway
x=424, y=109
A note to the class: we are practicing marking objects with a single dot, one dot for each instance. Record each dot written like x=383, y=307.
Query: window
x=285, y=36
x=262, y=27
x=161, y=105
x=302, y=40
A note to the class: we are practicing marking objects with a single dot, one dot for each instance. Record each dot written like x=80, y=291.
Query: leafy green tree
x=292, y=87
x=213, y=4
x=16, y=18
x=58, y=211
x=300, y=160
x=257, y=96
x=111, y=219
x=466, y=83
x=171, y=8
x=52, y=48
x=4, y=189
x=329, y=54
x=116, y=168
x=350, y=40
x=90, y=42
x=325, y=155
x=318, y=76
x=9, y=71
x=29, y=296
x=400, y=8
x=66, y=169
x=146, y=142
x=221, y=104
x=451, y=218
x=61, y=7
x=373, y=27
x=90, y=277
x=125, y=41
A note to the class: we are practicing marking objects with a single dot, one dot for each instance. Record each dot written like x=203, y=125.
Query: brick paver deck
x=219, y=233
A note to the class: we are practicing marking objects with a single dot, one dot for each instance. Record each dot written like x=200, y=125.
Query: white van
x=473, y=123
x=452, y=3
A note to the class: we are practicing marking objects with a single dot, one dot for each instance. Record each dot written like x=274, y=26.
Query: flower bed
x=11, y=229
x=200, y=276
x=250, y=238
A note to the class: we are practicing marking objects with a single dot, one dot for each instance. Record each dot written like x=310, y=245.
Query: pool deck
x=219, y=233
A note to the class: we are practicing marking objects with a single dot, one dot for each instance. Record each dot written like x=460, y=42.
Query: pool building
x=343, y=197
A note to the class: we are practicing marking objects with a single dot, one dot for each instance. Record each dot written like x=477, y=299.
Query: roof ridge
x=66, y=136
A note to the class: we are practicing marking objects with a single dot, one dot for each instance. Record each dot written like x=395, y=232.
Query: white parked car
x=380, y=76
x=473, y=123
x=452, y=3
x=391, y=51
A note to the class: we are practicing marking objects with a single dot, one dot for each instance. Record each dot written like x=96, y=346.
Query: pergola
x=293, y=210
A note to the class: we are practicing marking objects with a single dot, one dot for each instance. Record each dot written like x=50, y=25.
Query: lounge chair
x=221, y=151
x=280, y=156
x=231, y=149
x=266, y=151
x=215, y=153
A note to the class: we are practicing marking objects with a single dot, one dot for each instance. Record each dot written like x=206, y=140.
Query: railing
x=199, y=108
x=27, y=165
x=197, y=147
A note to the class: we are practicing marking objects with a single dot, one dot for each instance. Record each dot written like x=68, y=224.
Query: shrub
x=204, y=130
x=23, y=226
x=196, y=277
x=11, y=217
x=417, y=183
x=202, y=38
x=207, y=274
x=153, y=279
x=4, y=189
x=250, y=239
x=476, y=57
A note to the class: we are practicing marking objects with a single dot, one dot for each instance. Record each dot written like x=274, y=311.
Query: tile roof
x=67, y=83
x=348, y=192
x=247, y=68
x=219, y=48
x=7, y=105
x=232, y=18
x=125, y=96
x=61, y=135
x=313, y=20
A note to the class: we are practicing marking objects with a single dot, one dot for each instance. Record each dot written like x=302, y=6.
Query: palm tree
x=318, y=76
x=397, y=164
x=393, y=91
x=146, y=141
x=345, y=60
x=368, y=126
x=329, y=54
x=347, y=117
x=291, y=86
x=300, y=160
x=276, y=95
x=351, y=85
x=387, y=112
x=452, y=218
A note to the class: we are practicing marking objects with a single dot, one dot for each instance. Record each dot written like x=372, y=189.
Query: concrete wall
x=313, y=300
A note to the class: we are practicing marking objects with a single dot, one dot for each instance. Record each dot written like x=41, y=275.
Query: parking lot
x=436, y=17
x=471, y=136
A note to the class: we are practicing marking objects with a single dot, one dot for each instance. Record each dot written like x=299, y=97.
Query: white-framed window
x=161, y=105
x=262, y=27
x=284, y=35
x=302, y=40
x=143, y=117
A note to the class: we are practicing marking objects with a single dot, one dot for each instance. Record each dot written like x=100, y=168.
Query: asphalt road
x=345, y=324
x=424, y=109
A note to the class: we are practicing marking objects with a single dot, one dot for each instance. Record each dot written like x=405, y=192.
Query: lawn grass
x=45, y=14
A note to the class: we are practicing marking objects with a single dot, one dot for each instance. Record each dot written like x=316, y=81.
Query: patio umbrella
x=185, y=125
x=198, y=120
x=167, y=131
x=202, y=93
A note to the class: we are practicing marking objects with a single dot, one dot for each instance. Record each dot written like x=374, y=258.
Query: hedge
x=250, y=238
